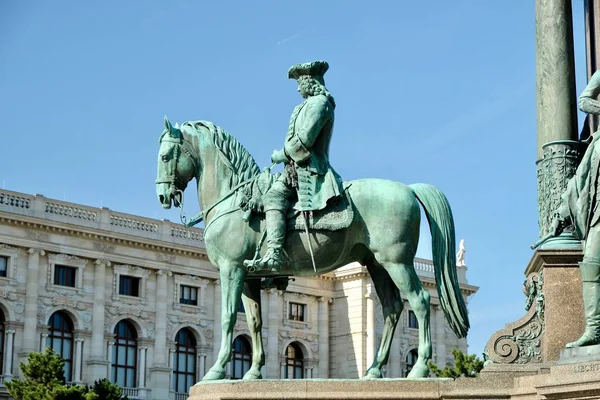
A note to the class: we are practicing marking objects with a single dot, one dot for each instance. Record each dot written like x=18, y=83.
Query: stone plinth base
x=580, y=355
x=571, y=381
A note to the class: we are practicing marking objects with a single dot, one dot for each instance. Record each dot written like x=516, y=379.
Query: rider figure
x=307, y=172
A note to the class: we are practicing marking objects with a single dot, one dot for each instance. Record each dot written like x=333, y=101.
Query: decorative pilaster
x=440, y=336
x=217, y=319
x=201, y=365
x=78, y=359
x=8, y=353
x=273, y=321
x=31, y=301
x=160, y=324
x=370, y=344
x=97, y=364
x=43, y=341
x=142, y=369
x=324, y=337
x=111, y=346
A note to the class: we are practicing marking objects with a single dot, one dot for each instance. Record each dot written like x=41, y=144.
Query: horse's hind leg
x=392, y=308
x=251, y=299
x=406, y=279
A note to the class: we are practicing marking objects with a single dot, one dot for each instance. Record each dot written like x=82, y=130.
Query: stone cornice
x=99, y=234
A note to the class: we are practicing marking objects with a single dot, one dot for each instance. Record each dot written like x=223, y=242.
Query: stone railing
x=179, y=396
x=423, y=267
x=102, y=218
x=132, y=393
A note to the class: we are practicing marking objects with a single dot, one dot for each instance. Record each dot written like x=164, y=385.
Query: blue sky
x=437, y=92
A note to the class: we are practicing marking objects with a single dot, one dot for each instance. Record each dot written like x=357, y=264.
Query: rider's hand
x=558, y=225
x=279, y=157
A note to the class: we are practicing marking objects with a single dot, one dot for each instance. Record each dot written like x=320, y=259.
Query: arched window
x=124, y=357
x=411, y=359
x=184, y=366
x=294, y=362
x=2, y=330
x=242, y=357
x=60, y=339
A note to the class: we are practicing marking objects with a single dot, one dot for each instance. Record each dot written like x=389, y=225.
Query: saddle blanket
x=338, y=215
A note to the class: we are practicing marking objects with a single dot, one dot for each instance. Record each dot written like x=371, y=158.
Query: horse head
x=177, y=165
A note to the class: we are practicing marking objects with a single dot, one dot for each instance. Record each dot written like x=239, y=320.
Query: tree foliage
x=45, y=380
x=467, y=366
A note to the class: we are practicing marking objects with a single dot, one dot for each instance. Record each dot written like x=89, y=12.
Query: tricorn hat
x=316, y=69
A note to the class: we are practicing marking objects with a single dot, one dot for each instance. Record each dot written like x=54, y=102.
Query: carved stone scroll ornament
x=520, y=341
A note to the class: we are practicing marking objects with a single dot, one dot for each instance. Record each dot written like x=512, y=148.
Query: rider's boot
x=590, y=275
x=273, y=260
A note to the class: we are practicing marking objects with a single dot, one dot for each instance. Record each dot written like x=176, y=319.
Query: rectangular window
x=129, y=286
x=412, y=320
x=3, y=266
x=64, y=276
x=188, y=295
x=297, y=312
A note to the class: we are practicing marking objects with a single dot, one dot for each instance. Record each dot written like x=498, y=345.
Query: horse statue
x=382, y=234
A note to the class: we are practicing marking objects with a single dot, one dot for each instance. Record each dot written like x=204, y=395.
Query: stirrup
x=266, y=263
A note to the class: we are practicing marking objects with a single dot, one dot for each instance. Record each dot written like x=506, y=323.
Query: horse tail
x=441, y=224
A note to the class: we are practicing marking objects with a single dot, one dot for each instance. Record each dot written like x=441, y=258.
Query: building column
x=98, y=365
x=78, y=359
x=31, y=302
x=201, y=365
x=282, y=370
x=43, y=342
x=111, y=346
x=440, y=336
x=160, y=372
x=556, y=113
x=395, y=359
x=217, y=320
x=324, y=337
x=8, y=353
x=370, y=343
x=142, y=367
x=273, y=319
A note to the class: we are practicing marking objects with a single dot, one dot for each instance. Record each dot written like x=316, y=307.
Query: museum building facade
x=135, y=300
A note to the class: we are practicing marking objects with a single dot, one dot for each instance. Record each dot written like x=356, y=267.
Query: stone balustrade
x=99, y=218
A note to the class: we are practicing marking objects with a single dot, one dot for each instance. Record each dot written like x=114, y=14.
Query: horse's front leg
x=251, y=299
x=232, y=281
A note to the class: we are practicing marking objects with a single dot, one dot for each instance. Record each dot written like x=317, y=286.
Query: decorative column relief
x=201, y=365
x=8, y=353
x=557, y=165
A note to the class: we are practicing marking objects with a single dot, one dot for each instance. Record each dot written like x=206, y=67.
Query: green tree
x=105, y=390
x=44, y=380
x=465, y=365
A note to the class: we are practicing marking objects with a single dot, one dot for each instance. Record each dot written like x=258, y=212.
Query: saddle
x=338, y=214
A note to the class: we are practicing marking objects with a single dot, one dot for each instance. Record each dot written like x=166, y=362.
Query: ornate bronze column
x=557, y=135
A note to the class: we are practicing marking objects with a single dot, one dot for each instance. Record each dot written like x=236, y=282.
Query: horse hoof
x=418, y=372
x=373, y=373
x=252, y=374
x=214, y=374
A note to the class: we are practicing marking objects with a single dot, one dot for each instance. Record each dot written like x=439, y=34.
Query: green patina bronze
x=579, y=209
x=379, y=227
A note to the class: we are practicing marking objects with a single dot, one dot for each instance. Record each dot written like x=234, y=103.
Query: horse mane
x=236, y=157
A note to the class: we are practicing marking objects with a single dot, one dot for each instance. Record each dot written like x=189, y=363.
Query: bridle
x=179, y=145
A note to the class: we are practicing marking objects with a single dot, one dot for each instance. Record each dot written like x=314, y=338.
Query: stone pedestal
x=554, y=315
